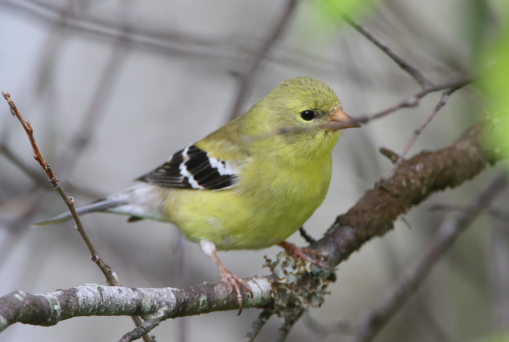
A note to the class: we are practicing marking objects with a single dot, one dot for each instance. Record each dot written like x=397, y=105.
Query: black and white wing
x=192, y=168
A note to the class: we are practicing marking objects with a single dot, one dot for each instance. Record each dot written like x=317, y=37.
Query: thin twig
x=341, y=327
x=306, y=236
x=181, y=255
x=102, y=94
x=409, y=102
x=499, y=270
x=257, y=325
x=418, y=131
x=69, y=201
x=393, y=156
x=448, y=233
x=39, y=179
x=111, y=277
x=495, y=212
x=247, y=76
x=289, y=319
x=413, y=101
x=410, y=69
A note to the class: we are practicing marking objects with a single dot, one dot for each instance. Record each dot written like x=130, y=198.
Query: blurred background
x=113, y=88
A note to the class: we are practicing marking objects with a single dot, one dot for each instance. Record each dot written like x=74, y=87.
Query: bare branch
x=416, y=179
x=410, y=69
x=413, y=101
x=38, y=178
x=309, y=239
x=98, y=300
x=418, y=131
x=111, y=277
x=247, y=76
x=289, y=320
x=448, y=233
x=393, y=156
x=340, y=327
x=495, y=212
x=257, y=325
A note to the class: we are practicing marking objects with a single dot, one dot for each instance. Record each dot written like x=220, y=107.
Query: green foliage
x=332, y=10
x=494, y=62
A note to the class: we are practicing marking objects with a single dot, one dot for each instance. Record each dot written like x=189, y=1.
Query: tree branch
x=111, y=277
x=247, y=75
x=413, y=101
x=415, y=180
x=418, y=131
x=373, y=215
x=448, y=233
x=257, y=325
x=155, y=304
x=413, y=71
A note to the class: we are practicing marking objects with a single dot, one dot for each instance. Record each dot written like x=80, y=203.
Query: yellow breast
x=263, y=209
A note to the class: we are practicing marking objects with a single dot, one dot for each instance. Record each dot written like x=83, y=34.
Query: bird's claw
x=235, y=283
x=304, y=254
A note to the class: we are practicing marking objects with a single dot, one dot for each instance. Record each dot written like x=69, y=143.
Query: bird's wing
x=192, y=168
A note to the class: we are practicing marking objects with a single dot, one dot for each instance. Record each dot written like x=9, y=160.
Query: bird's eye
x=307, y=115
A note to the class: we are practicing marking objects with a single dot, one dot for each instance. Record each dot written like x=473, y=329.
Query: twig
x=257, y=325
x=247, y=76
x=418, y=131
x=495, y=212
x=413, y=101
x=100, y=97
x=181, y=255
x=448, y=233
x=169, y=43
x=410, y=69
x=17, y=228
x=69, y=201
x=393, y=156
x=306, y=236
x=39, y=179
x=340, y=327
x=289, y=320
x=499, y=270
x=111, y=277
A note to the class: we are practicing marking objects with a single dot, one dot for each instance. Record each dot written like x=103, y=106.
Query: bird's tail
x=99, y=205
x=139, y=202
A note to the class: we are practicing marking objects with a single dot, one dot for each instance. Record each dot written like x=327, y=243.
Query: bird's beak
x=340, y=120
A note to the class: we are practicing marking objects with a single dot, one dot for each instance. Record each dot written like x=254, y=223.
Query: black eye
x=307, y=115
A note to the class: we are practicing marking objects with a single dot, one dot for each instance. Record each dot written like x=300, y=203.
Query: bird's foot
x=234, y=283
x=304, y=253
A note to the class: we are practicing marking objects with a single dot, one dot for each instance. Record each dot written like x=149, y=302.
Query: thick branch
x=448, y=233
x=97, y=300
x=413, y=182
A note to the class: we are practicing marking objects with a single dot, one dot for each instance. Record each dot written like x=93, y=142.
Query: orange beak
x=340, y=120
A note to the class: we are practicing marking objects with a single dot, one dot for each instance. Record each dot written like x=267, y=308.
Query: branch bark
x=151, y=304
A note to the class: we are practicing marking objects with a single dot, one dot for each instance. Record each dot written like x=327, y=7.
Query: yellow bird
x=250, y=184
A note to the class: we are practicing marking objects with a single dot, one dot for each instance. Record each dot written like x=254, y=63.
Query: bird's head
x=303, y=110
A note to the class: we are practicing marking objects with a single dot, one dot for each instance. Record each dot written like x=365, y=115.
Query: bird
x=248, y=185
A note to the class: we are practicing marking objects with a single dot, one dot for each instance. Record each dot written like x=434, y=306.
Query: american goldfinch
x=250, y=184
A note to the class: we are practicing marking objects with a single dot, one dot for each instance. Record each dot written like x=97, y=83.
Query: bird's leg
x=233, y=281
x=303, y=253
